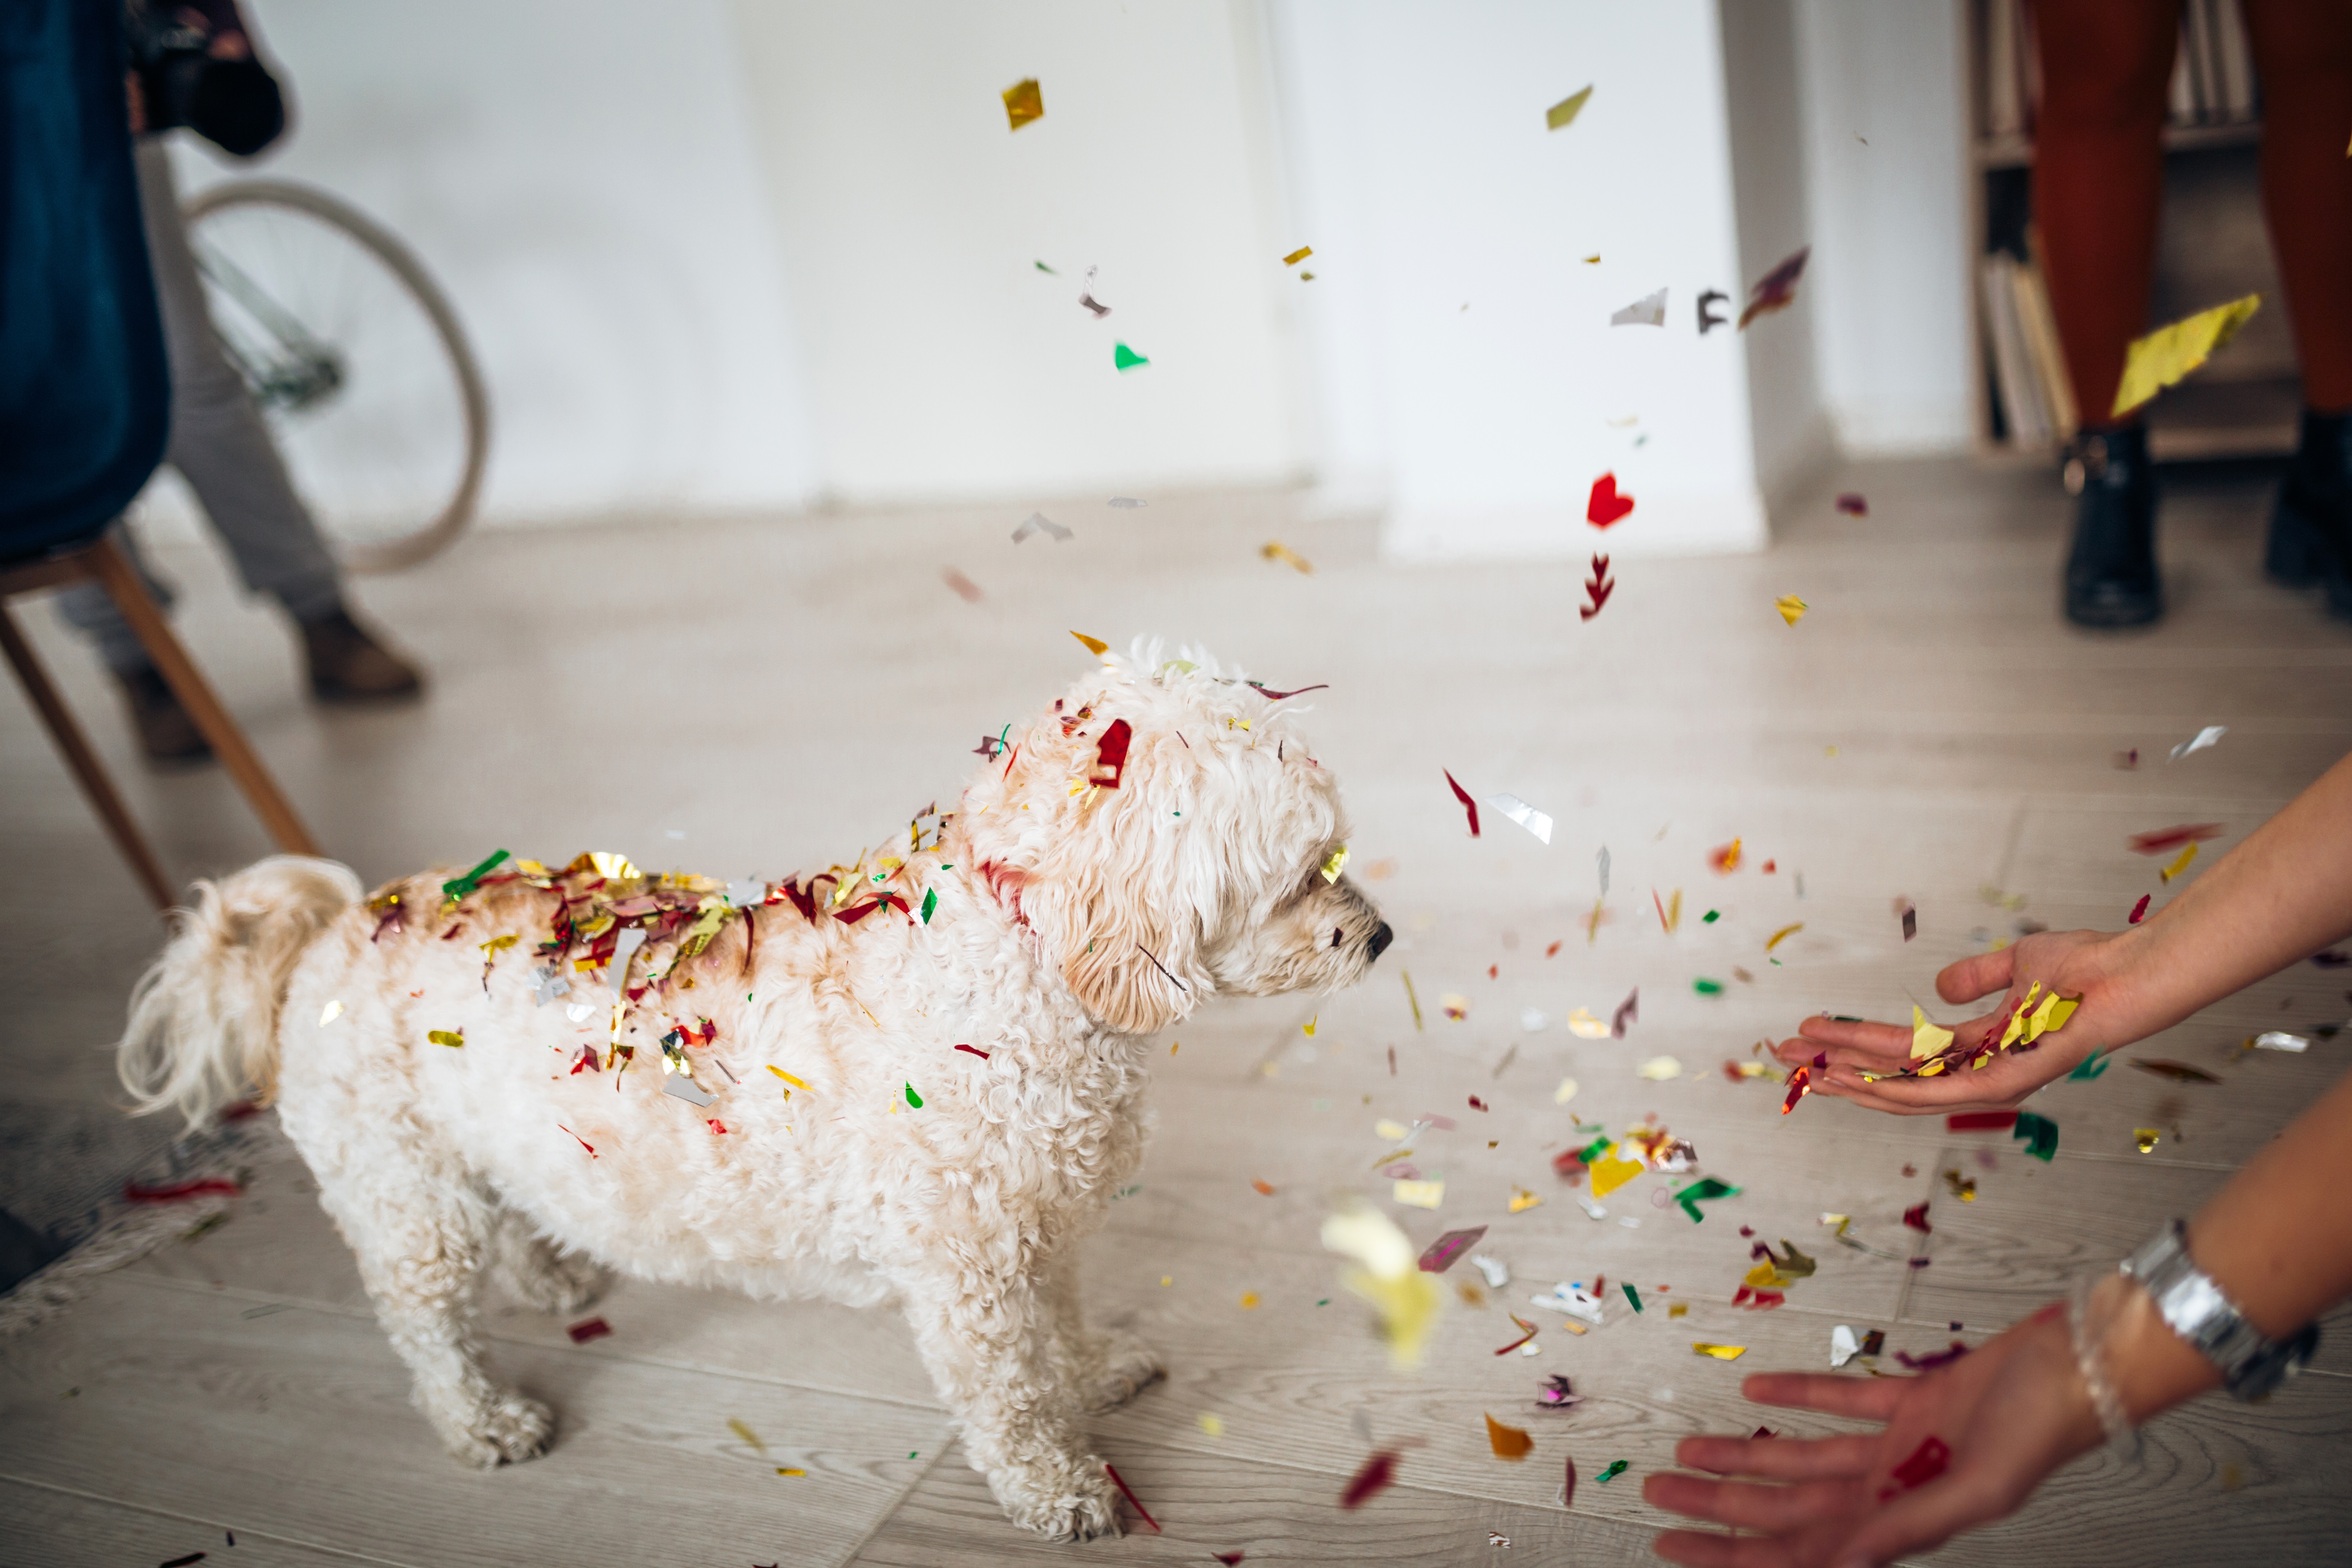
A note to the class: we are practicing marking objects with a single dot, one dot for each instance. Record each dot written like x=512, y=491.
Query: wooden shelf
x=2015, y=150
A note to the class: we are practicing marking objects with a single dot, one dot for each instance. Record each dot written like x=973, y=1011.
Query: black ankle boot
x=2311, y=528
x=2111, y=577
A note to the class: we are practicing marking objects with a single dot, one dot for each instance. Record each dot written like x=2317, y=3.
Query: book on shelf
x=2038, y=325
x=2015, y=385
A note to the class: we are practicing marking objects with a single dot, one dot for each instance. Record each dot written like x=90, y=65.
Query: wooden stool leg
x=108, y=565
x=87, y=771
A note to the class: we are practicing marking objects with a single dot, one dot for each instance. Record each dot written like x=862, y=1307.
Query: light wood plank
x=44, y=1528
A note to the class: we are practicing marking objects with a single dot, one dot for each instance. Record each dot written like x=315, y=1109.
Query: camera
x=234, y=103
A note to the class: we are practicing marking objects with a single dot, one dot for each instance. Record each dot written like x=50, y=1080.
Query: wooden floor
x=759, y=696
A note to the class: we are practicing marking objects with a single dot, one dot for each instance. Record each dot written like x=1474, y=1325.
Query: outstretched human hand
x=2071, y=964
x=2006, y=1415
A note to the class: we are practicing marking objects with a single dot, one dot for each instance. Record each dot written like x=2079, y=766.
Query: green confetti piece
x=1616, y=1467
x=913, y=1099
x=1594, y=1150
x=1125, y=358
x=930, y=902
x=1701, y=1191
x=2090, y=1066
x=457, y=887
x=1631, y=1294
x=2042, y=1133
x=1042, y=268
x=1706, y=987
x=1711, y=917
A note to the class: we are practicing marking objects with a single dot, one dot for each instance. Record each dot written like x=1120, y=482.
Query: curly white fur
x=1072, y=919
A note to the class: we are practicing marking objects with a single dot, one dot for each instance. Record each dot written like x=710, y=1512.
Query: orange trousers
x=2098, y=177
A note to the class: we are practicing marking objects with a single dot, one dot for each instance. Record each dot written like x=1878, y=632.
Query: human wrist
x=2150, y=1367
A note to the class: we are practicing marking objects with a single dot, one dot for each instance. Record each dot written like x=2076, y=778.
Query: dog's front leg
x=991, y=1343
x=1108, y=1369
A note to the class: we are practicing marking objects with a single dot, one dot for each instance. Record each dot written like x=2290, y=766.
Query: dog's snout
x=1380, y=940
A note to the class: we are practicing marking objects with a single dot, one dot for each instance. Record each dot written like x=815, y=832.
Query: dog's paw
x=550, y=1280
x=1060, y=1502
x=506, y=1430
x=1125, y=1368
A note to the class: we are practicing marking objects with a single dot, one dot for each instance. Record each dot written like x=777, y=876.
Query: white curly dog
x=1162, y=836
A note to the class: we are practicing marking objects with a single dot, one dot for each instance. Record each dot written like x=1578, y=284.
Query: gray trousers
x=219, y=444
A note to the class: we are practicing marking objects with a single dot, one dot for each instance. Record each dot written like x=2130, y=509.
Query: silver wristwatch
x=2194, y=1307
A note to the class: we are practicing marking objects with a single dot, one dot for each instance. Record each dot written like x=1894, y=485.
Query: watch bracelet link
x=2194, y=1307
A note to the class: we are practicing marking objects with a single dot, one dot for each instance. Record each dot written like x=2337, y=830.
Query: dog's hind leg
x=423, y=1232
x=540, y=1272
x=991, y=1341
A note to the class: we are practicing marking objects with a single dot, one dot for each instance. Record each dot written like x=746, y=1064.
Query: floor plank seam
x=153, y=1513
x=952, y=1437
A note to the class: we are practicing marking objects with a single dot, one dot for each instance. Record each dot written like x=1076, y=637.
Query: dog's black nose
x=1380, y=940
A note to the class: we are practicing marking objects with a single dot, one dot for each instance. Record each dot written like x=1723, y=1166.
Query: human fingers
x=1868, y=1398
x=1779, y=1458
x=1749, y=1506
x=1900, y=1095
x=1854, y=1034
x=1924, y=1520
x=1978, y=975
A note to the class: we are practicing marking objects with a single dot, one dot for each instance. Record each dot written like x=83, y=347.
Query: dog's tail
x=204, y=1020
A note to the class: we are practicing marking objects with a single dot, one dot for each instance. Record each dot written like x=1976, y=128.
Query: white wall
x=1886, y=171
x=580, y=178
x=913, y=218
x=1426, y=180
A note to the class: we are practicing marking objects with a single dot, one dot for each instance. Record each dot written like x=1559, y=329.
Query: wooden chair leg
x=110, y=567
x=87, y=770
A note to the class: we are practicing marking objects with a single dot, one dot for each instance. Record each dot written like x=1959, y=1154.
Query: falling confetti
x=2167, y=355
x=1562, y=115
x=1125, y=359
x=329, y=1013
x=1275, y=550
x=1528, y=816
x=2210, y=735
x=1650, y=310
x=1777, y=289
x=1388, y=1275
x=2145, y=1139
x=1793, y=609
x=1605, y=506
x=1022, y=103
x=2180, y=863
x=1852, y=505
x=1095, y=646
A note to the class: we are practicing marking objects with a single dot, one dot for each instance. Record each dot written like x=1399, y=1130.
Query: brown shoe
x=166, y=733
x=348, y=665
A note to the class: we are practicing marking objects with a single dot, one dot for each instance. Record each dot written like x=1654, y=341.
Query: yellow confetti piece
x=1024, y=103
x=1167, y=1279
x=1211, y=1425
x=1420, y=1195
x=613, y=866
x=2180, y=865
x=1793, y=609
x=446, y=1037
x=790, y=1470
x=1389, y=1277
x=1565, y=1092
x=329, y=1013
x=1095, y=646
x=1275, y=550
x=788, y=1078
x=746, y=1434
x=1307, y=1028
x=500, y=944
x=2017, y=1020
x=1508, y=1442
x=1394, y=1132
x=1584, y=1026
x=1927, y=1039
x=1298, y=256
x=1720, y=1353
x=1679, y=1310
x=2145, y=1139
x=1562, y=115
x=2168, y=354
x=1658, y=1069
x=1249, y=1301
x=1335, y=864
x=1523, y=1200
x=1782, y=935
x=1612, y=1173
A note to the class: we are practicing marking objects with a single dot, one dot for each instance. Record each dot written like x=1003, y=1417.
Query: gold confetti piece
x=1168, y=1279
x=329, y=1013
x=1523, y=1200
x=2180, y=865
x=1610, y=1173
x=1420, y=1195
x=1565, y=1092
x=1679, y=1310
x=1275, y=550
x=1393, y=1131
x=788, y=1078
x=1335, y=864
x=1793, y=609
x=1658, y=1069
x=790, y=1470
x=612, y=866
x=746, y=1434
x=1720, y=1353
x=1763, y=1276
x=1782, y=935
x=1582, y=1024
x=1927, y=1039
x=1307, y=1028
x=1298, y=256
x=1095, y=646
x=446, y=1037
x=1249, y=1301
x=1024, y=103
x=2145, y=1139
x=1211, y=1425
x=500, y=943
x=1562, y=115
x=1508, y=1442
x=2168, y=354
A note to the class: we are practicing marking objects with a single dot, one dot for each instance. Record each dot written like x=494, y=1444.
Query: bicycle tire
x=386, y=555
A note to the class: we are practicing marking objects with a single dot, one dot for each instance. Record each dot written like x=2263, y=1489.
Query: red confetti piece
x=1762, y=1432
x=1605, y=506
x=1478, y=1104
x=2140, y=911
x=718, y=1128
x=1111, y=754
x=588, y=1329
x=966, y=589
x=975, y=1051
x=1853, y=504
x=1980, y=1121
x=1568, y=1488
x=1800, y=1084
x=1933, y=1359
x=1265, y=1189
x=1372, y=1477
x=1553, y=950
x=1129, y=1494
x=2165, y=840
x=1276, y=696
x=1228, y=1557
x=135, y=1192
x=1916, y=1218
x=1467, y=804
x=1530, y=1328
x=1598, y=588
x=582, y=1142
x=1928, y=1462
x=852, y=916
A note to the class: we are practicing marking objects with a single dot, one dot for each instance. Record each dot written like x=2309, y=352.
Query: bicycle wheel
x=357, y=362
